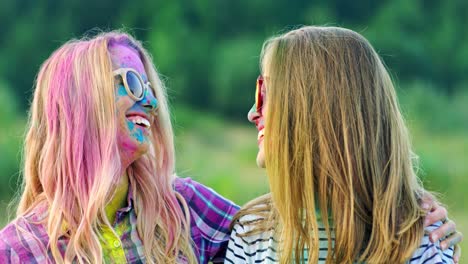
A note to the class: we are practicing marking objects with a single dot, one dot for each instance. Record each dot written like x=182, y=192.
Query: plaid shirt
x=25, y=239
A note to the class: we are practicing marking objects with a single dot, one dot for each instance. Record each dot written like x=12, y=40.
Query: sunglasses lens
x=134, y=84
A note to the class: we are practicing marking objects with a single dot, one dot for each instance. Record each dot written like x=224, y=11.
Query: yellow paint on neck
x=119, y=200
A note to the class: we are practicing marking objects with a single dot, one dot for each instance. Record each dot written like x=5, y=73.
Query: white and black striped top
x=261, y=248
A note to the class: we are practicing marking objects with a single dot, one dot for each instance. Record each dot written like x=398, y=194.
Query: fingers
x=438, y=213
x=453, y=240
x=444, y=230
x=457, y=254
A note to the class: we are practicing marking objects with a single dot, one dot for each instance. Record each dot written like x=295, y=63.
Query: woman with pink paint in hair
x=99, y=182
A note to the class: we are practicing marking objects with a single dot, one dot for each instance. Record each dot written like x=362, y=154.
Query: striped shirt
x=25, y=239
x=262, y=248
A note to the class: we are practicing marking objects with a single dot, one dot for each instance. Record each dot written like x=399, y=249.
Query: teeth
x=261, y=133
x=145, y=122
x=140, y=121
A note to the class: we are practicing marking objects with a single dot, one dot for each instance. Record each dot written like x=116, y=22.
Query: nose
x=149, y=101
x=253, y=114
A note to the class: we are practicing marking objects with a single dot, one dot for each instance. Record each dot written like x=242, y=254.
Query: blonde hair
x=335, y=139
x=72, y=162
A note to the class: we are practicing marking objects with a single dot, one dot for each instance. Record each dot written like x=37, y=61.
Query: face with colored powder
x=134, y=117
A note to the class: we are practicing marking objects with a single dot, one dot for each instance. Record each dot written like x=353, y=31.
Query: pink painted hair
x=72, y=163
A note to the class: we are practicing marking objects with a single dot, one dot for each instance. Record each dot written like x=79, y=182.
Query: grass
x=219, y=154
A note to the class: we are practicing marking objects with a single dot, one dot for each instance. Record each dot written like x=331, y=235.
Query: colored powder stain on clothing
x=125, y=246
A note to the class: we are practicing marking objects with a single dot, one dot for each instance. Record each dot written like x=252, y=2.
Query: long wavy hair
x=72, y=163
x=336, y=142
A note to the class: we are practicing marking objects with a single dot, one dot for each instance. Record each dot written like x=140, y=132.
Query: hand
x=435, y=213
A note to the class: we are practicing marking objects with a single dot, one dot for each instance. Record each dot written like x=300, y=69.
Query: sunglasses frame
x=122, y=72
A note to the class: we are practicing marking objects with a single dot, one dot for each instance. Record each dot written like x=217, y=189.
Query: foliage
x=11, y=138
x=209, y=49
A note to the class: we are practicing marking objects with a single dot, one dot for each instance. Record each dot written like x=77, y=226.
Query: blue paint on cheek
x=130, y=125
x=136, y=133
x=121, y=91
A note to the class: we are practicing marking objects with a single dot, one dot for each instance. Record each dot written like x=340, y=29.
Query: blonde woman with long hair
x=99, y=182
x=338, y=159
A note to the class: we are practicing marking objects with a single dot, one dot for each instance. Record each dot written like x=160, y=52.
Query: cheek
x=122, y=101
x=261, y=157
x=121, y=91
x=135, y=132
x=128, y=132
x=125, y=127
x=130, y=138
x=264, y=110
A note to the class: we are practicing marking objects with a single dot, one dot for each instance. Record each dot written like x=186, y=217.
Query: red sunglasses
x=258, y=94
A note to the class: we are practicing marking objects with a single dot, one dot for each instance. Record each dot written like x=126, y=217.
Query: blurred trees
x=208, y=49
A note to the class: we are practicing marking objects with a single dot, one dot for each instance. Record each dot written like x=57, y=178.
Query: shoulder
x=209, y=211
x=251, y=241
x=24, y=239
x=210, y=217
x=252, y=228
x=17, y=242
x=191, y=189
x=202, y=199
x=431, y=252
x=7, y=235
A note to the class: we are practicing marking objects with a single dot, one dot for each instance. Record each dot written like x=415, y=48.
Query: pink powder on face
x=122, y=56
x=132, y=140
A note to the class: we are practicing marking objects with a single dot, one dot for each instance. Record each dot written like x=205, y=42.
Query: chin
x=131, y=150
x=141, y=148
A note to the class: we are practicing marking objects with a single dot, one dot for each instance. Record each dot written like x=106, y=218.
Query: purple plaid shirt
x=25, y=239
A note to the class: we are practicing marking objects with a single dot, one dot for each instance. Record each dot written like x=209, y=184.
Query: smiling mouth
x=260, y=136
x=139, y=121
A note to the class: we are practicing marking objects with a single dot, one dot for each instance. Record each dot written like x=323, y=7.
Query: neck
x=119, y=199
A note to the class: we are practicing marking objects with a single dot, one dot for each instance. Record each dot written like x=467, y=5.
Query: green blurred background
x=208, y=52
